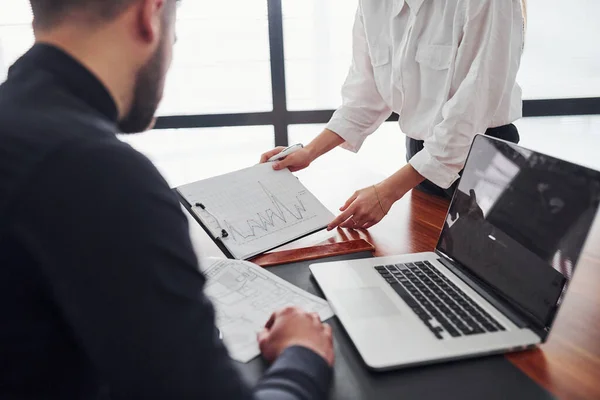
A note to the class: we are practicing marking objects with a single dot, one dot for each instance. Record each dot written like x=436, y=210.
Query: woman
x=448, y=68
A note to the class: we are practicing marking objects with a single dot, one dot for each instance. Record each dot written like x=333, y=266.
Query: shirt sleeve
x=363, y=109
x=486, y=67
x=116, y=256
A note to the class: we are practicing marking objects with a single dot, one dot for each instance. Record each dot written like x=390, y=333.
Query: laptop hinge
x=516, y=316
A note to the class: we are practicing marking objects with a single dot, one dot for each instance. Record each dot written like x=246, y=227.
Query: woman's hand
x=302, y=158
x=368, y=206
x=365, y=208
x=296, y=161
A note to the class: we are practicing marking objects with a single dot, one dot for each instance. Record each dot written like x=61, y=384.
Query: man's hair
x=48, y=13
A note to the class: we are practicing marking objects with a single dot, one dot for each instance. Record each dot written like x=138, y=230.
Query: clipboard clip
x=222, y=233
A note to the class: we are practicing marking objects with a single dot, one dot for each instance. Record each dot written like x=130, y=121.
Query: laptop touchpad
x=366, y=302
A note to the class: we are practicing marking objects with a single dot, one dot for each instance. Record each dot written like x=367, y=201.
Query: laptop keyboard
x=441, y=305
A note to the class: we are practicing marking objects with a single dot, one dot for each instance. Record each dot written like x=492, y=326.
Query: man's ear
x=150, y=20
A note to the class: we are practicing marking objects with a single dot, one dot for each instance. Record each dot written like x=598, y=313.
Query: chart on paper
x=258, y=207
x=279, y=215
x=245, y=296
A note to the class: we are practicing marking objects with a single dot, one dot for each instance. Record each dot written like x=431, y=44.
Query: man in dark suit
x=100, y=292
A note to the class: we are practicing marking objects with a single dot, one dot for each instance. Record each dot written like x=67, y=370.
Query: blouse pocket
x=380, y=55
x=437, y=57
x=434, y=64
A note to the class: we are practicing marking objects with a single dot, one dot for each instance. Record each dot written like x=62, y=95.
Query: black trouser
x=505, y=132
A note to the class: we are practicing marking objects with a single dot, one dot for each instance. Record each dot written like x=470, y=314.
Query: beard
x=148, y=91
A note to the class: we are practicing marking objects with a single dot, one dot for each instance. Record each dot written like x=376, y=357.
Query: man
x=100, y=294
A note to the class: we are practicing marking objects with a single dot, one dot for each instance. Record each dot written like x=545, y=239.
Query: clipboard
x=217, y=234
x=213, y=234
x=254, y=210
x=274, y=258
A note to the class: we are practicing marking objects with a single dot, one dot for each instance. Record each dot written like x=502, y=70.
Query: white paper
x=258, y=207
x=245, y=295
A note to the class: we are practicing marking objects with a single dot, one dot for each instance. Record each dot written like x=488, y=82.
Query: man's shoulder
x=46, y=115
x=66, y=146
x=111, y=158
x=106, y=160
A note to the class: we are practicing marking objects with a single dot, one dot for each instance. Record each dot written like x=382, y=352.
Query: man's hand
x=294, y=327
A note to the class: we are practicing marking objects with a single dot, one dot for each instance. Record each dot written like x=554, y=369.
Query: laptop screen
x=518, y=222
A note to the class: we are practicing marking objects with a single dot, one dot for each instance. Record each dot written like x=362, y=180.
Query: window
x=318, y=50
x=561, y=58
x=187, y=155
x=221, y=63
x=16, y=35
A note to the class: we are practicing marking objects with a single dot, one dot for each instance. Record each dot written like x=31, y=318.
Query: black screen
x=518, y=222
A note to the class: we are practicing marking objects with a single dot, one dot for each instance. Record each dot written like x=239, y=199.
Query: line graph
x=266, y=221
x=258, y=208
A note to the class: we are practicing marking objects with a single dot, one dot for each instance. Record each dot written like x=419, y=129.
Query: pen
x=286, y=152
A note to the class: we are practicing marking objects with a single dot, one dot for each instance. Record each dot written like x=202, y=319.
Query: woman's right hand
x=302, y=158
x=295, y=162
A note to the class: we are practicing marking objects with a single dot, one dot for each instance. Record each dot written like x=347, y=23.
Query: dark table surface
x=568, y=365
x=484, y=378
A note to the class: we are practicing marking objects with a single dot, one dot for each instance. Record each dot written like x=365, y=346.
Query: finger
x=270, y=153
x=280, y=318
x=341, y=218
x=328, y=330
x=354, y=235
x=289, y=161
x=289, y=310
x=365, y=223
x=472, y=195
x=265, y=348
x=370, y=224
x=262, y=336
x=355, y=221
x=270, y=322
x=473, y=206
x=343, y=235
x=315, y=316
x=370, y=218
x=349, y=201
x=351, y=223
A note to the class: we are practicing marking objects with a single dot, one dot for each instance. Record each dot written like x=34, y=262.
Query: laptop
x=508, y=249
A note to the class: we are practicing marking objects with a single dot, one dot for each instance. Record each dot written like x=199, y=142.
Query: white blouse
x=447, y=67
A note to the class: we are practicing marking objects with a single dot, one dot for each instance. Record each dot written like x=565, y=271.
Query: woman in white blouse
x=448, y=68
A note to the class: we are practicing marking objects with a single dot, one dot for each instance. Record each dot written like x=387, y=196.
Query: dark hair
x=47, y=13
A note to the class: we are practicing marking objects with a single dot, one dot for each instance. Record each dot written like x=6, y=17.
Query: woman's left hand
x=364, y=209
x=368, y=206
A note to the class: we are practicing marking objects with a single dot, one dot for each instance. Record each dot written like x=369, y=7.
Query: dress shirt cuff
x=347, y=130
x=432, y=170
x=301, y=362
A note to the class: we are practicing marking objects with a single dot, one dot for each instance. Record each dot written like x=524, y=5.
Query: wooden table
x=568, y=365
